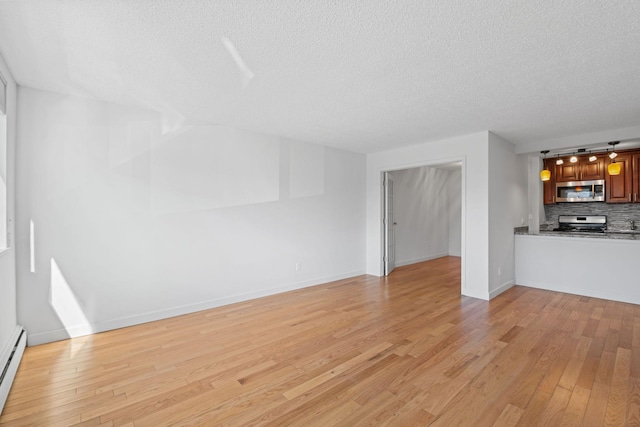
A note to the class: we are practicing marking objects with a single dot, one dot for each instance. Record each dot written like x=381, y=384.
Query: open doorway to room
x=422, y=214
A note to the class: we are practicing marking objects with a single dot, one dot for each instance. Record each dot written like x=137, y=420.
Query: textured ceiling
x=363, y=75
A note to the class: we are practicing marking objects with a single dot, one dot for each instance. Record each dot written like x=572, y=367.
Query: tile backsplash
x=618, y=214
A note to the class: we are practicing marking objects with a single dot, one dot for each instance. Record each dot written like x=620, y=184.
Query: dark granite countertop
x=609, y=234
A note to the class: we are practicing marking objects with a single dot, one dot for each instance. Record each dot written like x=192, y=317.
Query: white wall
x=3, y=177
x=8, y=320
x=508, y=200
x=137, y=217
x=563, y=264
x=455, y=212
x=536, y=213
x=422, y=209
x=473, y=151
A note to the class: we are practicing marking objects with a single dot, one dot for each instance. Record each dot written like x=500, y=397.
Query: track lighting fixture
x=613, y=168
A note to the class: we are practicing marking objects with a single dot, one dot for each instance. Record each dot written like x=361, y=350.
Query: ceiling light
x=592, y=158
x=545, y=174
x=559, y=161
x=613, y=153
x=573, y=159
x=613, y=168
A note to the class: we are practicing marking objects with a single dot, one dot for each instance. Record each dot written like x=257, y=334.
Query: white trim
x=123, y=322
x=500, y=289
x=478, y=295
x=417, y=260
x=15, y=362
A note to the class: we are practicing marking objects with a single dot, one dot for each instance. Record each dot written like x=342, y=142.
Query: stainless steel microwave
x=580, y=191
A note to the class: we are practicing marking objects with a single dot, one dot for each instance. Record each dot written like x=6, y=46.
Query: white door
x=389, y=226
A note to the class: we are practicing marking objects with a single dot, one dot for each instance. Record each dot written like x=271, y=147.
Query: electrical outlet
x=499, y=271
x=298, y=266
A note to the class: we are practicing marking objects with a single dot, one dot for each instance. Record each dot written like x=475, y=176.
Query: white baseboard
x=477, y=295
x=417, y=260
x=123, y=322
x=500, y=289
x=601, y=294
x=12, y=367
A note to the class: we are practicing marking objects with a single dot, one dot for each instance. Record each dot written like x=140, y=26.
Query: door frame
x=388, y=225
x=463, y=209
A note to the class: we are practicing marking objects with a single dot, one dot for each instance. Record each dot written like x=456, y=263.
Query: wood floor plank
x=555, y=410
x=509, y=417
x=574, y=367
x=619, y=390
x=633, y=408
x=597, y=405
x=576, y=407
x=403, y=350
x=536, y=406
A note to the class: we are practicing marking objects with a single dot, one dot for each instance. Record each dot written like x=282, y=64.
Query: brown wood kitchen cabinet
x=568, y=171
x=549, y=187
x=635, y=185
x=592, y=170
x=620, y=187
x=623, y=188
x=582, y=170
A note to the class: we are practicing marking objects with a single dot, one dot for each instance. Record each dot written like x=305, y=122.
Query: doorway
x=422, y=214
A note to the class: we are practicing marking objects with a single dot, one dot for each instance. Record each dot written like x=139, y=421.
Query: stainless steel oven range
x=582, y=223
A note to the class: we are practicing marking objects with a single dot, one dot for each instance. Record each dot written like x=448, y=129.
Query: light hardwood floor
x=406, y=350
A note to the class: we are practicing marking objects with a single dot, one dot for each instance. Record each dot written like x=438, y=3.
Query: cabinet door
x=549, y=187
x=592, y=170
x=567, y=171
x=635, y=185
x=619, y=187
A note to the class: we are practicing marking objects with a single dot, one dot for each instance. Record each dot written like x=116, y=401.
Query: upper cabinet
x=549, y=187
x=620, y=187
x=582, y=170
x=568, y=171
x=635, y=176
x=592, y=170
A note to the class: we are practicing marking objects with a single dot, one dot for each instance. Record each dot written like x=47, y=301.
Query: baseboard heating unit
x=9, y=361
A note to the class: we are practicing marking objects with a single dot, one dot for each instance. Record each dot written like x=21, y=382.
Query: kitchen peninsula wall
x=618, y=214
